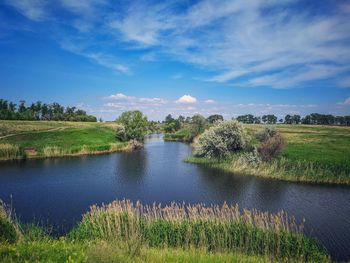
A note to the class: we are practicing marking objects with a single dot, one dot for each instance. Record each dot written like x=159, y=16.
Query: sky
x=230, y=57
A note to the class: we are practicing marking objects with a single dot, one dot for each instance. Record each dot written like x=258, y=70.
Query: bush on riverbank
x=271, y=144
x=221, y=140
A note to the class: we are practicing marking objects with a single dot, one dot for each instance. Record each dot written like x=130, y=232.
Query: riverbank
x=127, y=232
x=42, y=139
x=313, y=154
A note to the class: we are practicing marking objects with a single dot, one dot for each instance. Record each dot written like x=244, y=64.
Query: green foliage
x=7, y=231
x=221, y=140
x=135, y=124
x=215, y=118
x=42, y=111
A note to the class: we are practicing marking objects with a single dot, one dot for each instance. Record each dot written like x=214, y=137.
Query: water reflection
x=59, y=190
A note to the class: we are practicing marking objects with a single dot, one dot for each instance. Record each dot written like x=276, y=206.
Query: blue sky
x=180, y=57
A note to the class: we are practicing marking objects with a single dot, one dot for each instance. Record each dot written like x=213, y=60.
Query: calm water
x=58, y=191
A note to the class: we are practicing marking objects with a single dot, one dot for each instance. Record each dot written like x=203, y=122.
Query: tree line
x=42, y=112
x=313, y=118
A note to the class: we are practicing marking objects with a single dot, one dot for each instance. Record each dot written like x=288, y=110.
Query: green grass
x=63, y=250
x=181, y=136
x=126, y=232
x=317, y=154
x=54, y=139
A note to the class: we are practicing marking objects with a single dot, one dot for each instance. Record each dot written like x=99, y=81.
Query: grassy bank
x=317, y=154
x=179, y=136
x=127, y=232
x=37, y=139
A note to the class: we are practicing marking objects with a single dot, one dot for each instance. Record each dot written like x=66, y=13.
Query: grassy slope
x=49, y=139
x=63, y=250
x=312, y=154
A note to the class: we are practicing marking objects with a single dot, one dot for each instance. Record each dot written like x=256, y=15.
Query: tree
x=269, y=119
x=199, y=124
x=215, y=118
x=288, y=119
x=135, y=124
x=296, y=119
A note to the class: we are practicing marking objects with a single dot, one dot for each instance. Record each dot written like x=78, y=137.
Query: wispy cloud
x=256, y=43
x=32, y=9
x=346, y=102
x=236, y=38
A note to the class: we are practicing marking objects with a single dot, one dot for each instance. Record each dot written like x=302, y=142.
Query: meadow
x=123, y=231
x=35, y=139
x=313, y=153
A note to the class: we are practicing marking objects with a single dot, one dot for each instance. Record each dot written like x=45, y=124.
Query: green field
x=312, y=154
x=33, y=139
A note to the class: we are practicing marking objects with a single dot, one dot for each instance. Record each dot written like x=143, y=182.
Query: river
x=56, y=192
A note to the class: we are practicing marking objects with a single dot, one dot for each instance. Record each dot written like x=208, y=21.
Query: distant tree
x=288, y=119
x=135, y=124
x=168, y=118
x=199, y=124
x=249, y=118
x=181, y=119
x=269, y=119
x=215, y=118
x=296, y=119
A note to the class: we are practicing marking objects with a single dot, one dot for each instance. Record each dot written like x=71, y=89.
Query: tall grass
x=10, y=151
x=283, y=169
x=216, y=228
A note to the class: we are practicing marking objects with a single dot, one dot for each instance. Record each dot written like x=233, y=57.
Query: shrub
x=221, y=140
x=265, y=134
x=271, y=148
x=120, y=133
x=135, y=124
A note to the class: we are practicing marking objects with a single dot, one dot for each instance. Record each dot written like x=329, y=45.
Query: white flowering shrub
x=221, y=140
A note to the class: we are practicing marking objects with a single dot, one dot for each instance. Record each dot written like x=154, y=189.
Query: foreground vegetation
x=311, y=154
x=127, y=232
x=34, y=139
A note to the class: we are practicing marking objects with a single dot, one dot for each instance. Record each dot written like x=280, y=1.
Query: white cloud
x=345, y=102
x=120, y=96
x=186, y=99
x=32, y=9
x=209, y=101
x=236, y=38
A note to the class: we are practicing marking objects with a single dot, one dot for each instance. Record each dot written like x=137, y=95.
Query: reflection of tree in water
x=222, y=186
x=131, y=167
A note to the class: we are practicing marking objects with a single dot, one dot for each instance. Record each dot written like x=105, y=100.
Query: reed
x=215, y=228
x=10, y=151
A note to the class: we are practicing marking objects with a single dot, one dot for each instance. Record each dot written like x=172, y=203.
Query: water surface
x=58, y=191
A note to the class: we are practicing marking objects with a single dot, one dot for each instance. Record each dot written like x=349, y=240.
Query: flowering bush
x=221, y=140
